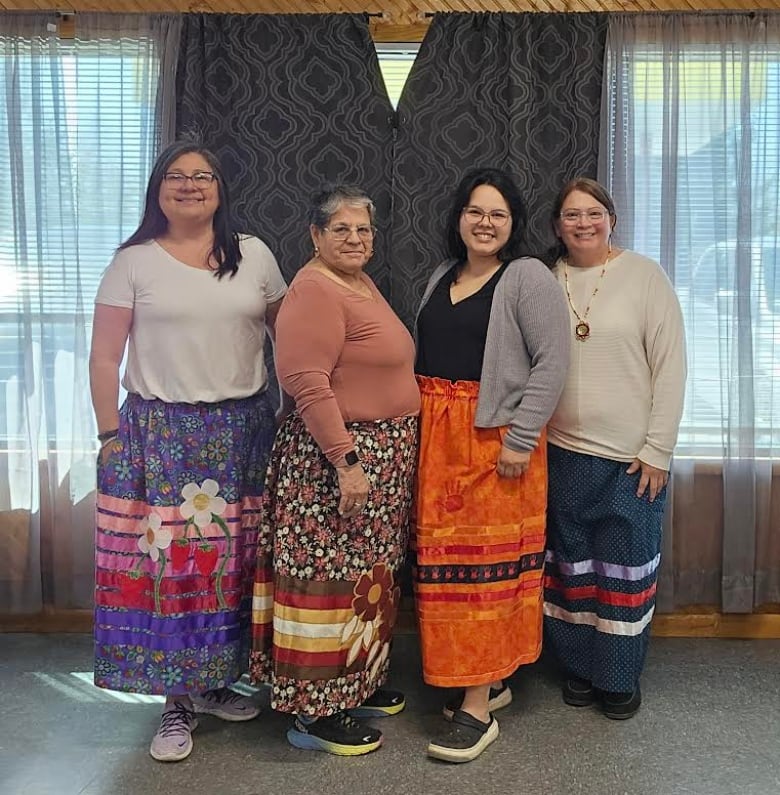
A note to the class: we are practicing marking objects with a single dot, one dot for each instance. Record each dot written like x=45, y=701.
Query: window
x=695, y=162
x=78, y=130
x=395, y=62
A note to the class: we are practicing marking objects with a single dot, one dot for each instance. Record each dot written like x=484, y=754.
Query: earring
x=316, y=251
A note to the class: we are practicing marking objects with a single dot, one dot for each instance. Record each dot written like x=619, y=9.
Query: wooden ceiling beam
x=401, y=21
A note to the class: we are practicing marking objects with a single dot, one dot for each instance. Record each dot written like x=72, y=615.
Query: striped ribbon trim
x=613, y=570
x=624, y=628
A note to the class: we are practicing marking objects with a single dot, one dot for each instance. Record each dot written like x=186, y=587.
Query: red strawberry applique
x=132, y=584
x=180, y=553
x=205, y=558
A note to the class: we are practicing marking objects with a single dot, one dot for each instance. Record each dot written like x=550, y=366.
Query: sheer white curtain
x=691, y=152
x=80, y=122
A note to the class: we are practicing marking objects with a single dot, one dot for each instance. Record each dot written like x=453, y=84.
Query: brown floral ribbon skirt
x=326, y=594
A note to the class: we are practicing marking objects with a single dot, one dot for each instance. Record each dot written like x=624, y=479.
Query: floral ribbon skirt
x=176, y=539
x=326, y=593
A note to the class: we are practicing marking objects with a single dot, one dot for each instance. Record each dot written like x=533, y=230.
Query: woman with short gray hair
x=334, y=525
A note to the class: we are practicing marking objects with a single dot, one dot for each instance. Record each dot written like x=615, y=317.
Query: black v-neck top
x=451, y=337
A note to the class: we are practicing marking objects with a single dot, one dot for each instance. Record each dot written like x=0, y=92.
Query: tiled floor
x=710, y=725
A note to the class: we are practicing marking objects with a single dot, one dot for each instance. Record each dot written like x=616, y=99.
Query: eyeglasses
x=342, y=231
x=200, y=179
x=595, y=215
x=475, y=215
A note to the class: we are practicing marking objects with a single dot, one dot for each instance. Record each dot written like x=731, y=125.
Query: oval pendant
x=582, y=330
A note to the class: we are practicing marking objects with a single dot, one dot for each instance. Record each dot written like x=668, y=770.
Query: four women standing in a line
x=183, y=465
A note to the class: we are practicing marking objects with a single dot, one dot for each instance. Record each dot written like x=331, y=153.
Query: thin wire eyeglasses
x=595, y=215
x=200, y=179
x=341, y=233
x=475, y=215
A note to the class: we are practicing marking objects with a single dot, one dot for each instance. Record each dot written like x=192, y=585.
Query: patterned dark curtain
x=515, y=91
x=288, y=102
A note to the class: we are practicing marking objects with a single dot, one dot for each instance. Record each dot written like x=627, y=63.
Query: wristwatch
x=351, y=458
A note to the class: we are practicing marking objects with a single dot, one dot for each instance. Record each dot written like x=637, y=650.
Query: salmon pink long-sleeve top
x=343, y=357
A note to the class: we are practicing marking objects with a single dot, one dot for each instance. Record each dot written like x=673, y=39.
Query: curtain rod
x=70, y=12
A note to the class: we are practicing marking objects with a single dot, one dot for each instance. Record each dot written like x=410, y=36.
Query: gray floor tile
x=710, y=725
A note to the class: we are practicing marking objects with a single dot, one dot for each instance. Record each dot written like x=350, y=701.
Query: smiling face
x=585, y=236
x=346, y=242
x=485, y=238
x=187, y=202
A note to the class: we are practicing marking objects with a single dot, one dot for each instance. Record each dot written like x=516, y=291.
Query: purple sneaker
x=226, y=704
x=173, y=741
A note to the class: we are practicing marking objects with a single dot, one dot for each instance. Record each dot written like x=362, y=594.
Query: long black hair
x=226, y=251
x=584, y=185
x=516, y=245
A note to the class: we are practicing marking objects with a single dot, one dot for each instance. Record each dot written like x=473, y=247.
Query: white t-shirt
x=625, y=387
x=194, y=338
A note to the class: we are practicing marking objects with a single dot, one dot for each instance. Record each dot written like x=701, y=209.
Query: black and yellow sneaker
x=380, y=704
x=337, y=734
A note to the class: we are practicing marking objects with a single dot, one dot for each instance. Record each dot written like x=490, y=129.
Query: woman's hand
x=512, y=464
x=652, y=477
x=353, y=487
x=107, y=449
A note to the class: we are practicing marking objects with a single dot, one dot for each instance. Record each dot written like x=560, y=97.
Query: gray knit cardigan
x=526, y=351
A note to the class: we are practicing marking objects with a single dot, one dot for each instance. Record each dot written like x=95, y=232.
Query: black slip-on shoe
x=578, y=692
x=499, y=698
x=465, y=739
x=622, y=706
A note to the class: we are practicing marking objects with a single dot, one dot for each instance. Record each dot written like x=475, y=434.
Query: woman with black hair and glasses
x=182, y=463
x=493, y=348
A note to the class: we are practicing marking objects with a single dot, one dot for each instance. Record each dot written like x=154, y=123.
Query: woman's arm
x=543, y=318
x=110, y=330
x=665, y=346
x=311, y=332
x=286, y=402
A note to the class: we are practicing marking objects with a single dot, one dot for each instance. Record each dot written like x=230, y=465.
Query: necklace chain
x=582, y=329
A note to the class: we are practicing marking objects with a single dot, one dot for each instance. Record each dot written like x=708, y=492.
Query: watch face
x=351, y=458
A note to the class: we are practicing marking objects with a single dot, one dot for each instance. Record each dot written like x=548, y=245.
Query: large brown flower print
x=374, y=602
x=372, y=592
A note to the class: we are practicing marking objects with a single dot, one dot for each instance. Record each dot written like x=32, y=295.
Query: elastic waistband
x=445, y=388
x=135, y=400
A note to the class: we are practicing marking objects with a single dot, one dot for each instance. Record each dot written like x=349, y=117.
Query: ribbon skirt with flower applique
x=326, y=589
x=478, y=544
x=176, y=542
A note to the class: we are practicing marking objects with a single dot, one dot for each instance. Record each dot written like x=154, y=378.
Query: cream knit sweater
x=623, y=396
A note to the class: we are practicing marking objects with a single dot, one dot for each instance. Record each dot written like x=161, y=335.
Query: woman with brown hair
x=610, y=446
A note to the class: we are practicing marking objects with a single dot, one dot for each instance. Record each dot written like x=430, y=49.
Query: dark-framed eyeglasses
x=341, y=232
x=475, y=215
x=200, y=179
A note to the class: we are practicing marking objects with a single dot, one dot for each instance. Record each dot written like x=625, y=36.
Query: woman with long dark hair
x=492, y=352
x=182, y=462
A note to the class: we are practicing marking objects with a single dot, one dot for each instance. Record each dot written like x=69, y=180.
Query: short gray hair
x=330, y=200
